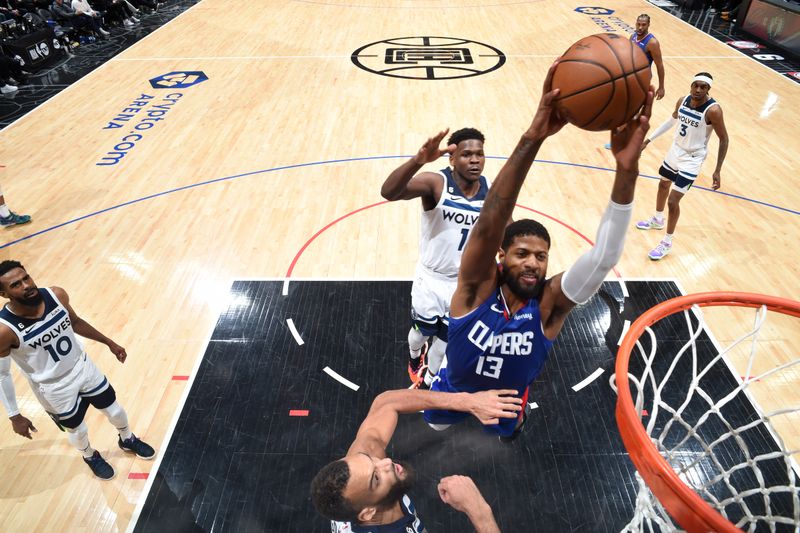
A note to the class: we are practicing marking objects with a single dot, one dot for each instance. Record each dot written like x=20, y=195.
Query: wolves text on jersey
x=54, y=333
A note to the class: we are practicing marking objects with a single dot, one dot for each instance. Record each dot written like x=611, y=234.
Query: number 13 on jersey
x=489, y=366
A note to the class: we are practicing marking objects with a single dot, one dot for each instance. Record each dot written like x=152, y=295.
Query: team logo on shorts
x=178, y=80
x=428, y=58
x=588, y=10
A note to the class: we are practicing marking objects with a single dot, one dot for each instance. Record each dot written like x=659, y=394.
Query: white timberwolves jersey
x=693, y=132
x=48, y=348
x=446, y=227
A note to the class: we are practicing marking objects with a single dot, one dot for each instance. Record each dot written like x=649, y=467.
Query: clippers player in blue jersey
x=504, y=317
x=697, y=115
x=366, y=492
x=37, y=330
x=451, y=200
x=651, y=47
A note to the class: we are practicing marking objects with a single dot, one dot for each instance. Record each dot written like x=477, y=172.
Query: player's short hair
x=644, y=16
x=705, y=74
x=327, y=492
x=526, y=226
x=465, y=134
x=7, y=266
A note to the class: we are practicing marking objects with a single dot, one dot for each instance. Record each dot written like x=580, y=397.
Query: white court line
x=297, y=337
x=596, y=374
x=285, y=291
x=348, y=56
x=624, y=288
x=94, y=72
x=344, y=381
x=625, y=329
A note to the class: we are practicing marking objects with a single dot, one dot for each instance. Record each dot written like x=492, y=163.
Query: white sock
x=79, y=438
x=117, y=416
x=4, y=211
x=659, y=216
x=416, y=340
x=668, y=238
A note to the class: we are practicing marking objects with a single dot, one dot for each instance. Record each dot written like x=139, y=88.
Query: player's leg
x=435, y=354
x=97, y=391
x=425, y=315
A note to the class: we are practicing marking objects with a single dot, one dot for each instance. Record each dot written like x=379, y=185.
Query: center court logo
x=428, y=58
x=178, y=80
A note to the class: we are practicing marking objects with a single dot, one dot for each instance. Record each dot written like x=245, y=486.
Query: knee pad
x=416, y=339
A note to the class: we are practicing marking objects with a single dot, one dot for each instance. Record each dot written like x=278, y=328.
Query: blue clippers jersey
x=643, y=44
x=487, y=351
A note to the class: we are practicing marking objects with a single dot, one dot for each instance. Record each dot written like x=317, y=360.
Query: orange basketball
x=604, y=80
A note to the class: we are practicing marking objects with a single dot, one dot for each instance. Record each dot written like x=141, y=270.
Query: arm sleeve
x=7, y=394
x=583, y=279
x=663, y=128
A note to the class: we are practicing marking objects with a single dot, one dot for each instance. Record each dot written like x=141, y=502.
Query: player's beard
x=518, y=288
x=32, y=301
x=403, y=486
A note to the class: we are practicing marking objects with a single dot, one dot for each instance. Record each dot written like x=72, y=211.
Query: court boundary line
x=137, y=511
x=78, y=82
x=348, y=56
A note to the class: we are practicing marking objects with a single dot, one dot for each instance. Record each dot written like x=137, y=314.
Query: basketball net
x=692, y=447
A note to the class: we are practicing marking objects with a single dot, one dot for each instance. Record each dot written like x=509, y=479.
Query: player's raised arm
x=476, y=277
x=403, y=184
x=378, y=427
x=583, y=279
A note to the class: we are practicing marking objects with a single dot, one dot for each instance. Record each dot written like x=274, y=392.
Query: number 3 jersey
x=445, y=228
x=488, y=349
x=48, y=348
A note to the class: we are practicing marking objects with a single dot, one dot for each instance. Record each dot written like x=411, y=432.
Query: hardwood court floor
x=306, y=138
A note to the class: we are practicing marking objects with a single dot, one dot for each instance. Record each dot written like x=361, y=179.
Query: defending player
x=451, y=200
x=504, y=318
x=37, y=330
x=697, y=114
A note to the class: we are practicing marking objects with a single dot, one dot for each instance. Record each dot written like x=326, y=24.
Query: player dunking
x=697, y=115
x=37, y=330
x=451, y=200
x=504, y=318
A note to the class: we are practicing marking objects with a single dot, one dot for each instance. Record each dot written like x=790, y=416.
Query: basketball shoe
x=417, y=367
x=650, y=223
x=100, y=468
x=660, y=251
x=14, y=219
x=137, y=446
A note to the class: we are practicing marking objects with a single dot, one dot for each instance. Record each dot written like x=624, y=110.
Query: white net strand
x=691, y=456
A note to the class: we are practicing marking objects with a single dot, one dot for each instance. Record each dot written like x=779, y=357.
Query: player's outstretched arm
x=378, y=427
x=8, y=396
x=476, y=276
x=84, y=329
x=403, y=184
x=581, y=281
x=715, y=117
x=460, y=493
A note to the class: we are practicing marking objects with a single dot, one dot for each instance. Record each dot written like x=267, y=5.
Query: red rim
x=688, y=509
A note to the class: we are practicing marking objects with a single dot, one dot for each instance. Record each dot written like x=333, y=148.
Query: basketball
x=604, y=79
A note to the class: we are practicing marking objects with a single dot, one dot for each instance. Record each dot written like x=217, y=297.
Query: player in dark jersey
x=505, y=317
x=366, y=491
x=651, y=47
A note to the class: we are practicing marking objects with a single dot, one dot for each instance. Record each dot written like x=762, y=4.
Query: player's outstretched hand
x=627, y=141
x=546, y=121
x=491, y=405
x=22, y=426
x=118, y=351
x=430, y=151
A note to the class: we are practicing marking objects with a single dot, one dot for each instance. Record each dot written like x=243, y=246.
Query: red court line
x=138, y=475
x=329, y=225
x=298, y=412
x=180, y=378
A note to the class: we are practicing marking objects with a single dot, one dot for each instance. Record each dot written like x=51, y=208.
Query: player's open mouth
x=529, y=279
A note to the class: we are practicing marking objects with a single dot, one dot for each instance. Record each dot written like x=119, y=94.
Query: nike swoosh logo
x=496, y=310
